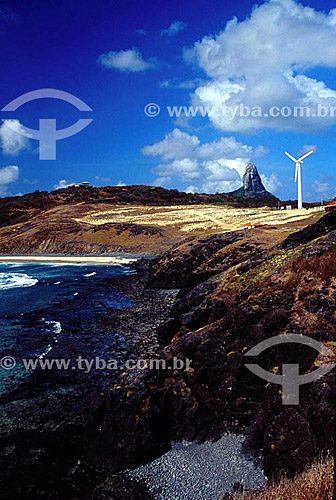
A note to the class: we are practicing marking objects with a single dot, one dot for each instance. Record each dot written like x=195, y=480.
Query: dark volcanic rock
x=252, y=185
x=323, y=226
x=292, y=436
x=214, y=326
x=45, y=447
x=219, y=314
x=182, y=268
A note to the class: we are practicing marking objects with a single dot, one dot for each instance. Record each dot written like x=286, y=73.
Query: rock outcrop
x=252, y=185
x=235, y=290
x=225, y=306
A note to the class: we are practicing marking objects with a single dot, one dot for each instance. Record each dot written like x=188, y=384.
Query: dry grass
x=317, y=483
x=322, y=267
x=190, y=218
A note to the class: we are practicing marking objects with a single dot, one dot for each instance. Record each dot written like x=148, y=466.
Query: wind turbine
x=298, y=164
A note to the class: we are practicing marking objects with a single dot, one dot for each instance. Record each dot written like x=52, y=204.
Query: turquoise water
x=45, y=308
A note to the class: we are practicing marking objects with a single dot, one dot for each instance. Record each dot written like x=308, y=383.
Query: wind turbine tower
x=298, y=164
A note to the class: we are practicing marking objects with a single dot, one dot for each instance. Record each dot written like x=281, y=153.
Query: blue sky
x=119, y=56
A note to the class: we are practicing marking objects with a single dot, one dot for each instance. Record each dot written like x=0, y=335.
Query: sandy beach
x=69, y=259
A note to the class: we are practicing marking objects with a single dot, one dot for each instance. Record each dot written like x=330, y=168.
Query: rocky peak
x=252, y=185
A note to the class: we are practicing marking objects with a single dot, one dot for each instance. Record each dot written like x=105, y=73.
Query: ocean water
x=53, y=309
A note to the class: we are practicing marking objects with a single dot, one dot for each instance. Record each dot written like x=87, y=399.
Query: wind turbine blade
x=290, y=156
x=305, y=156
x=296, y=172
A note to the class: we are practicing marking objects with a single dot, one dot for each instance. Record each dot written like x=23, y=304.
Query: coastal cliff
x=235, y=291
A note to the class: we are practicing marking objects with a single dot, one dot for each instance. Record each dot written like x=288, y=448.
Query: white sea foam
x=16, y=280
x=61, y=260
x=45, y=352
x=89, y=275
x=56, y=330
x=57, y=327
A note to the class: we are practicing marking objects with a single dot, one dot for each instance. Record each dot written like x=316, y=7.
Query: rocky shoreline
x=43, y=436
x=235, y=290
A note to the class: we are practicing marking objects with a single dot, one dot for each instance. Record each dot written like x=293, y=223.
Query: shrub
x=316, y=483
x=321, y=266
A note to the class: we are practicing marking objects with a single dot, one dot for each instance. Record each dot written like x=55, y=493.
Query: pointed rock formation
x=252, y=185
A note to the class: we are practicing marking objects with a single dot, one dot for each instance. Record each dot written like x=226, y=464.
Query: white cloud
x=213, y=166
x=182, y=122
x=174, y=28
x=103, y=179
x=30, y=181
x=176, y=145
x=271, y=183
x=126, y=60
x=191, y=189
x=306, y=148
x=62, y=184
x=121, y=183
x=320, y=186
x=174, y=83
x=7, y=175
x=141, y=32
x=11, y=139
x=223, y=175
x=185, y=169
x=260, y=62
x=162, y=181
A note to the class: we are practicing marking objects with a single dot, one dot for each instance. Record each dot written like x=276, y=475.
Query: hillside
x=235, y=291
x=21, y=208
x=237, y=287
x=95, y=228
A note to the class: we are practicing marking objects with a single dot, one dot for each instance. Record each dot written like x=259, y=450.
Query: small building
x=81, y=184
x=330, y=207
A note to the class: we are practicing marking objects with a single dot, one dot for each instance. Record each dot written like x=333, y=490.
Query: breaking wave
x=16, y=280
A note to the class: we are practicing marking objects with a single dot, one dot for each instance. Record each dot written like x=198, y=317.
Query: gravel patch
x=191, y=471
